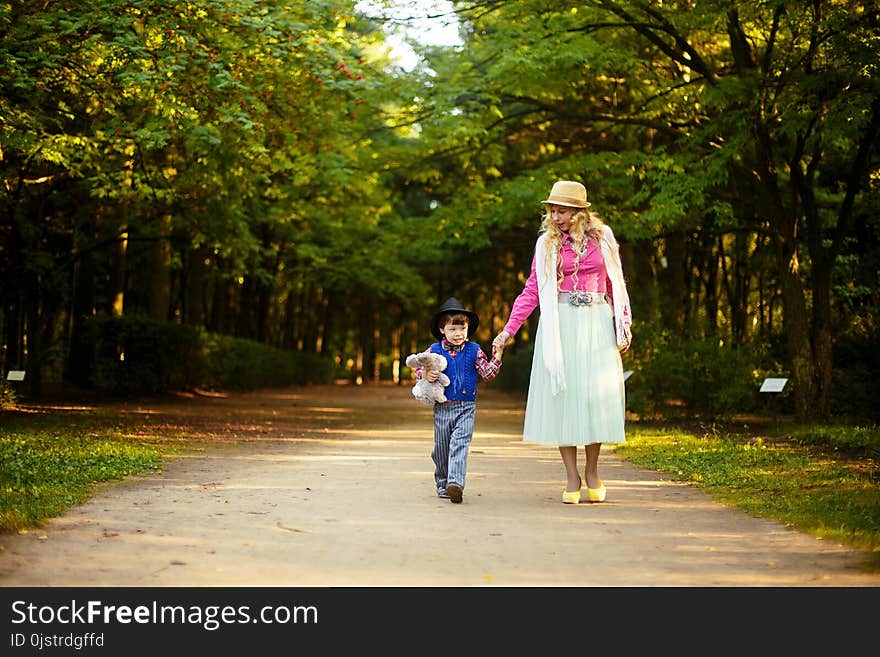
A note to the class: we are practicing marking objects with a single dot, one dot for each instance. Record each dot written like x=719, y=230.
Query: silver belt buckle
x=581, y=298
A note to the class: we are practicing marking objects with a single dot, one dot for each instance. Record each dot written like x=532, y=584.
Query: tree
x=199, y=162
x=675, y=113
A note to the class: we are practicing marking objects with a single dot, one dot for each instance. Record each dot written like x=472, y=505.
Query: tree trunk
x=709, y=259
x=822, y=339
x=194, y=288
x=34, y=333
x=262, y=312
x=79, y=360
x=376, y=346
x=672, y=282
x=288, y=335
x=160, y=276
x=795, y=323
x=13, y=358
x=795, y=320
x=327, y=340
x=245, y=324
x=117, y=282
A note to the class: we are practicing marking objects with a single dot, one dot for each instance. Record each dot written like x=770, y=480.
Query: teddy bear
x=425, y=391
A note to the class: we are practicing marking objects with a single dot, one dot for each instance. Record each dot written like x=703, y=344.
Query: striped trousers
x=453, y=431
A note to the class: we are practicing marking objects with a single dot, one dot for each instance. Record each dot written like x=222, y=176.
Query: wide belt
x=578, y=298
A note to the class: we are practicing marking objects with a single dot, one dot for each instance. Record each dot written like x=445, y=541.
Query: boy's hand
x=432, y=375
x=497, y=352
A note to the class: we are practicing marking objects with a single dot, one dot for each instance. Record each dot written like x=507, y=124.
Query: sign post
x=773, y=386
x=15, y=375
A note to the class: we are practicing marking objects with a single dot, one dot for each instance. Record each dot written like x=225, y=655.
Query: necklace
x=579, y=254
x=583, y=248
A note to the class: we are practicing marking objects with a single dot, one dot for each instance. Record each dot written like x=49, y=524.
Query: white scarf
x=548, y=300
x=622, y=315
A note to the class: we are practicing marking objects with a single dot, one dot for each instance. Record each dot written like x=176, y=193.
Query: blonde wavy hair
x=585, y=226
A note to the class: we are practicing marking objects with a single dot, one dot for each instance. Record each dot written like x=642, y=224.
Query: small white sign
x=15, y=375
x=627, y=374
x=773, y=385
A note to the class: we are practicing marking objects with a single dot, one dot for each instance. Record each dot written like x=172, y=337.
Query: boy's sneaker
x=454, y=491
x=441, y=492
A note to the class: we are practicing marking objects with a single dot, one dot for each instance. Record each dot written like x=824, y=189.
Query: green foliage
x=857, y=361
x=279, y=158
x=136, y=355
x=677, y=376
x=847, y=439
x=7, y=395
x=43, y=474
x=767, y=478
x=687, y=122
x=237, y=135
x=229, y=363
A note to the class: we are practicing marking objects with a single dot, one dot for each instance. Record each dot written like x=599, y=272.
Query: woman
x=576, y=391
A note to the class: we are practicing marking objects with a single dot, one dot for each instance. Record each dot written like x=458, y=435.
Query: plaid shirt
x=486, y=368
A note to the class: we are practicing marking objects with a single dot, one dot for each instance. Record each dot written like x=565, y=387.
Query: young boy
x=454, y=419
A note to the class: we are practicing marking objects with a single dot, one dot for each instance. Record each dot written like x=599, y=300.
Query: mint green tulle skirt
x=591, y=407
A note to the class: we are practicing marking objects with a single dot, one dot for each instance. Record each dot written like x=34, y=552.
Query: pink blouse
x=591, y=277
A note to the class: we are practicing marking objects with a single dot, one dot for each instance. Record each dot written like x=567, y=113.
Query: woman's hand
x=499, y=342
x=627, y=336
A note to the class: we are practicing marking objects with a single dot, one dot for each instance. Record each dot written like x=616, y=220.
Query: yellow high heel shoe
x=572, y=497
x=596, y=494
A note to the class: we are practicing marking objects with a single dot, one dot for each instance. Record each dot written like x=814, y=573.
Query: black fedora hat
x=453, y=306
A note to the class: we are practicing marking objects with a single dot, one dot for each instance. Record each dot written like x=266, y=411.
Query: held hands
x=432, y=375
x=499, y=343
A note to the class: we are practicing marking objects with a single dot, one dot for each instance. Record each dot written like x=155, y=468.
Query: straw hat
x=569, y=193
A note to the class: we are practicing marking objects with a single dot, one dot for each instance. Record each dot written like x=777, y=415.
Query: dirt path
x=333, y=487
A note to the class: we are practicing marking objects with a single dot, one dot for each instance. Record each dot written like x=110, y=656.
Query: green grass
x=49, y=464
x=820, y=480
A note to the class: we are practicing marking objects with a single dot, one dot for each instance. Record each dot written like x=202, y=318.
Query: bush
x=138, y=354
x=7, y=395
x=141, y=355
x=698, y=377
x=236, y=363
x=856, y=363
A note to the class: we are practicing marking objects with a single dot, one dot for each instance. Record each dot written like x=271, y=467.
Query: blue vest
x=461, y=370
